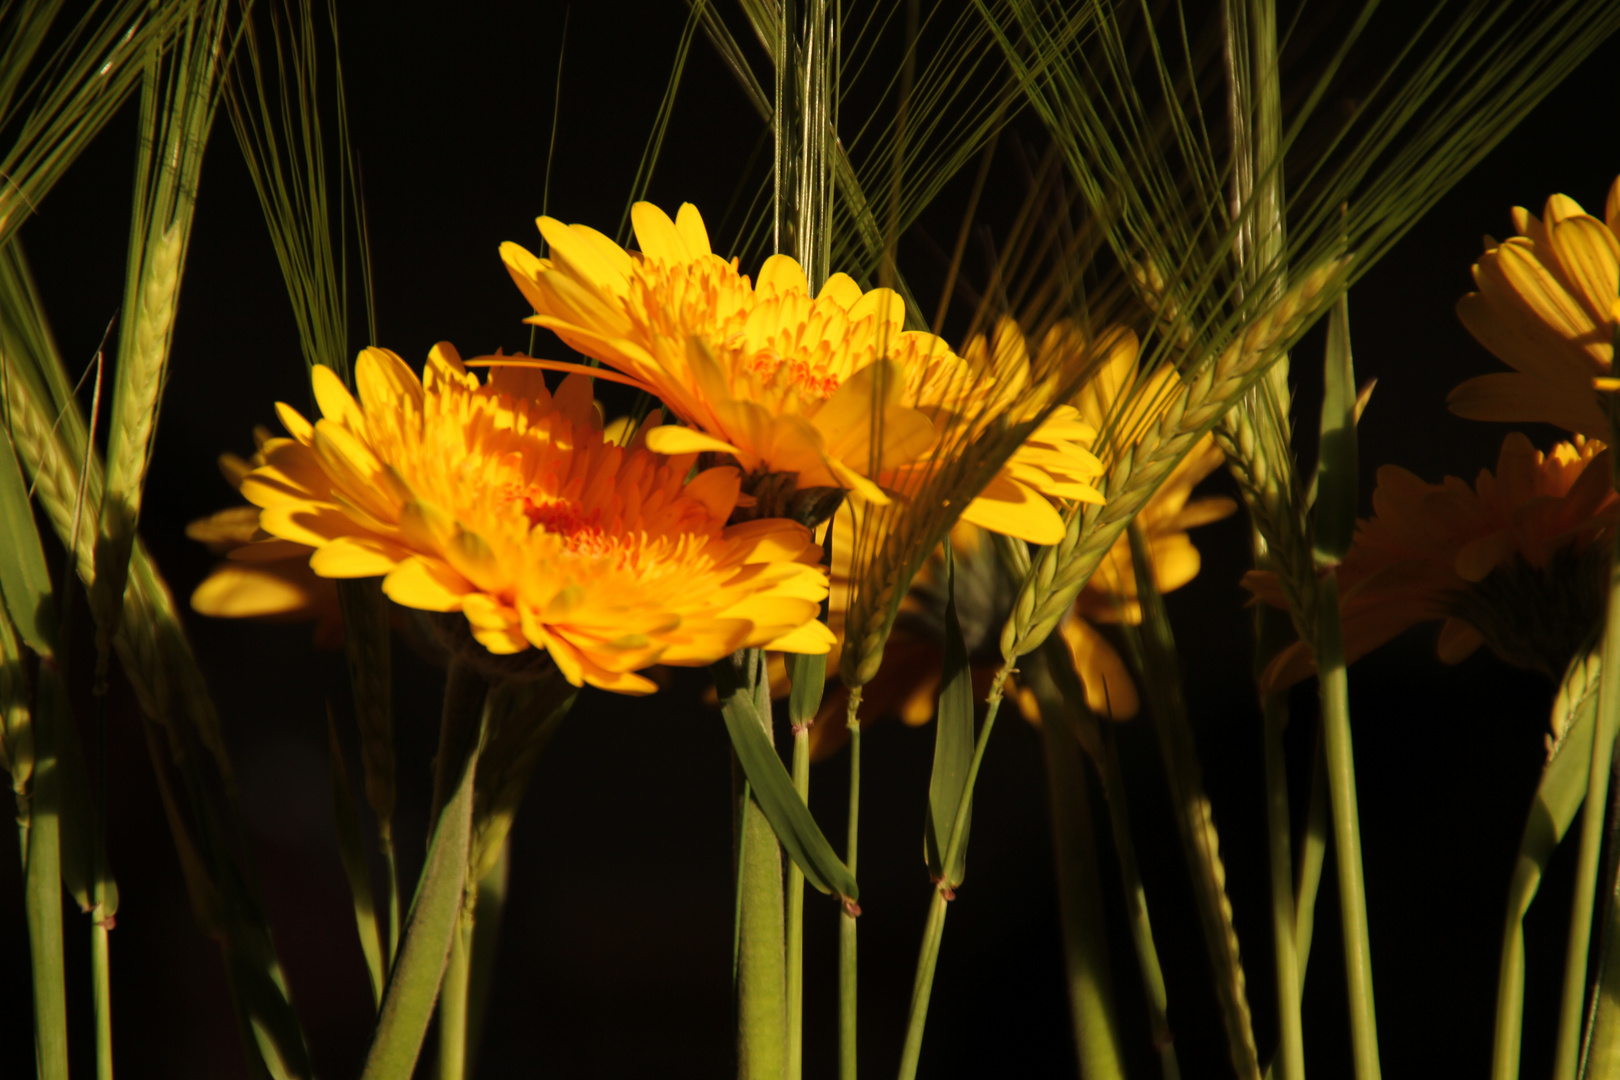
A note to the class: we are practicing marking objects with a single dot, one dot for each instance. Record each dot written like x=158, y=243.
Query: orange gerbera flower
x=503, y=502
x=1516, y=562
x=262, y=577
x=830, y=388
x=1547, y=307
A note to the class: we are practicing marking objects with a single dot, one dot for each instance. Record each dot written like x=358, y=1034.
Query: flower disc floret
x=504, y=502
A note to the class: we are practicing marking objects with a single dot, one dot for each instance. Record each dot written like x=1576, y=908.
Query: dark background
x=616, y=948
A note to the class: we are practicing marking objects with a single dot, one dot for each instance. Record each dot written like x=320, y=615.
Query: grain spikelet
x=1062, y=570
x=176, y=114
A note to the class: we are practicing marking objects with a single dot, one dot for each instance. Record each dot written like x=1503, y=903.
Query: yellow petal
x=782, y=274
x=235, y=591
x=1010, y=508
x=357, y=557
x=336, y=403
x=813, y=638
x=689, y=223
x=426, y=584
x=657, y=236
x=672, y=439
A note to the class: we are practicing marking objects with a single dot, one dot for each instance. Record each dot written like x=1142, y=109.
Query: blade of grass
x=1572, y=1009
x=807, y=675
x=1341, y=765
x=953, y=744
x=51, y=436
x=413, y=985
x=42, y=885
x=1557, y=799
x=761, y=980
x=773, y=788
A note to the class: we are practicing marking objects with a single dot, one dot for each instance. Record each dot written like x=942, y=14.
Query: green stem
x=433, y=926
x=761, y=953
x=1341, y=765
x=795, y=921
x=1074, y=845
x=847, y=967
x=922, y=988
x=1130, y=873
x=43, y=896
x=1289, y=1063
x=1312, y=854
x=100, y=953
x=101, y=976
x=1572, y=1009
x=391, y=899
x=453, y=1003
x=489, y=912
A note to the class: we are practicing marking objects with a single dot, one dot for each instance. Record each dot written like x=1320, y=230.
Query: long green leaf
x=773, y=789
x=25, y=581
x=413, y=986
x=1558, y=797
x=953, y=743
x=42, y=883
x=1335, y=512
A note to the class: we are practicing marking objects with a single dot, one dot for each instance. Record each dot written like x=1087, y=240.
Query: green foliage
x=953, y=746
x=773, y=789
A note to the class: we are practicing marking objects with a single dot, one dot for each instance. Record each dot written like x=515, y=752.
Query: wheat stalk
x=1061, y=571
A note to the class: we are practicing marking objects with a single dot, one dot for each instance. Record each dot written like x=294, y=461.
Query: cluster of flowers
x=1517, y=561
x=618, y=547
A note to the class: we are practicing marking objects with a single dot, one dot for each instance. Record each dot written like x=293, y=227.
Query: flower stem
x=1130, y=873
x=100, y=954
x=43, y=893
x=1341, y=764
x=761, y=952
x=1312, y=853
x=847, y=968
x=1573, y=1010
x=923, y=987
x=453, y=1003
x=795, y=921
x=1290, y=1060
x=1074, y=844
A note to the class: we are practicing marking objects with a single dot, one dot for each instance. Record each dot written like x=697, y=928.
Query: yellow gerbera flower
x=504, y=502
x=1547, y=307
x=261, y=577
x=830, y=388
x=1516, y=562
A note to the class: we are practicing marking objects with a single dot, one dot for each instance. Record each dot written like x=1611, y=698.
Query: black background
x=616, y=949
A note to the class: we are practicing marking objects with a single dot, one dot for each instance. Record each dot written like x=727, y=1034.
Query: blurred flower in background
x=1547, y=307
x=1517, y=561
x=262, y=577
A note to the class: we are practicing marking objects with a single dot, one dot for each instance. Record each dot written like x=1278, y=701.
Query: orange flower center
x=580, y=531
